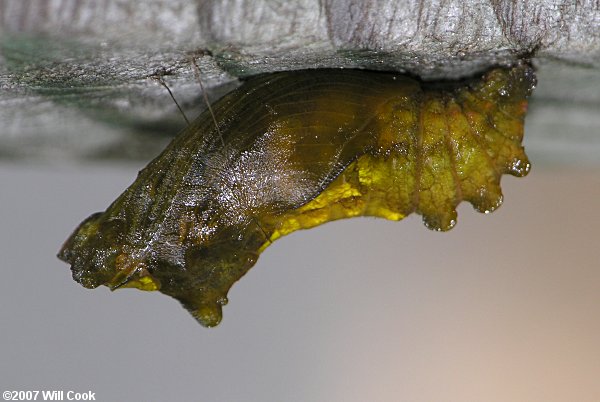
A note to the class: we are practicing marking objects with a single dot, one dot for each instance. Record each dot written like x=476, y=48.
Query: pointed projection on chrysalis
x=293, y=150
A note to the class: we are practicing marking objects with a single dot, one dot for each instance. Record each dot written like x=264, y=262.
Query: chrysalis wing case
x=294, y=150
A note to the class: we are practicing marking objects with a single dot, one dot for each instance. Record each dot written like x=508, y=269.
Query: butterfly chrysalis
x=293, y=150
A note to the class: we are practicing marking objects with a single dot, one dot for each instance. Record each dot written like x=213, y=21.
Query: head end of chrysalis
x=99, y=255
x=91, y=251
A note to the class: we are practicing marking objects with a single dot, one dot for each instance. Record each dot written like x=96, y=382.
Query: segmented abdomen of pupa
x=293, y=150
x=424, y=149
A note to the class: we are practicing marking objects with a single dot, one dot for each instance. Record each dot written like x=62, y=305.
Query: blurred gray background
x=505, y=307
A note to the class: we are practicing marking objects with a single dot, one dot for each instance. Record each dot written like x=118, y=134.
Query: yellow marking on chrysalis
x=360, y=189
x=318, y=211
x=146, y=283
x=132, y=274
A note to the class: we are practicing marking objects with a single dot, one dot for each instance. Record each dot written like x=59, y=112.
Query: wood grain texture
x=77, y=77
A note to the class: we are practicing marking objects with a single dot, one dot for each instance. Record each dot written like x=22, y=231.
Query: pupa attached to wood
x=293, y=150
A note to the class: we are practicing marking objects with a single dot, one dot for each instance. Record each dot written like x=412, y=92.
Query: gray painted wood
x=76, y=77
